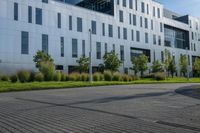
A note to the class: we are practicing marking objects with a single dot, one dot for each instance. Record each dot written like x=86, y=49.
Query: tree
x=111, y=61
x=140, y=64
x=196, y=66
x=83, y=64
x=45, y=64
x=183, y=64
x=157, y=66
x=135, y=62
x=172, y=67
x=41, y=57
x=167, y=60
x=143, y=59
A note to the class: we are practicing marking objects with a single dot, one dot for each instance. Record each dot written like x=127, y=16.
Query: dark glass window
x=70, y=22
x=79, y=24
x=62, y=46
x=59, y=20
x=45, y=43
x=24, y=42
x=110, y=30
x=94, y=27
x=98, y=50
x=74, y=48
x=30, y=14
x=38, y=16
x=16, y=11
x=125, y=33
x=83, y=48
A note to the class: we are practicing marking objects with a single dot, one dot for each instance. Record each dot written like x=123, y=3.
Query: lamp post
x=90, y=56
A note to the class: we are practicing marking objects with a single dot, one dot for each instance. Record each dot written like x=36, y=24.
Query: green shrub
x=125, y=77
x=97, y=76
x=23, y=76
x=4, y=78
x=74, y=77
x=48, y=70
x=14, y=78
x=39, y=77
x=107, y=75
x=151, y=75
x=32, y=76
x=134, y=77
x=117, y=76
x=84, y=77
x=63, y=77
x=66, y=77
x=159, y=76
x=57, y=76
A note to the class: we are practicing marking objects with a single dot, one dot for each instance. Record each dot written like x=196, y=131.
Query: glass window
x=121, y=16
x=142, y=7
x=103, y=29
x=141, y=21
x=122, y=53
x=158, y=12
x=132, y=35
x=24, y=42
x=45, y=43
x=161, y=27
x=110, y=30
x=119, y=32
x=131, y=4
x=154, y=39
x=159, y=40
x=147, y=8
x=79, y=25
x=124, y=3
x=59, y=20
x=83, y=48
x=106, y=48
x=74, y=48
x=38, y=16
x=62, y=46
x=125, y=33
x=146, y=23
x=94, y=26
x=152, y=24
x=154, y=11
x=16, y=11
x=114, y=48
x=130, y=19
x=136, y=5
x=70, y=22
x=134, y=20
x=138, y=36
x=98, y=50
x=30, y=14
x=146, y=38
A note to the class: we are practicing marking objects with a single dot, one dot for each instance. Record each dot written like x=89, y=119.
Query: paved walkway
x=114, y=109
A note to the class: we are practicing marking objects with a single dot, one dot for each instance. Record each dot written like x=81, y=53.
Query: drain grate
x=179, y=126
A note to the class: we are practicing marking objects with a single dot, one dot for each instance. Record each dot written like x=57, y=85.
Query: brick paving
x=113, y=109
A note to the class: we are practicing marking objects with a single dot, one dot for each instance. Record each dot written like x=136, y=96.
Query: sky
x=183, y=7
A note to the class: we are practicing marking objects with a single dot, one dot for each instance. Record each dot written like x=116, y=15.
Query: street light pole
x=90, y=54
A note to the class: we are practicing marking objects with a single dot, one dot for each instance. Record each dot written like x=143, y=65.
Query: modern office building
x=61, y=29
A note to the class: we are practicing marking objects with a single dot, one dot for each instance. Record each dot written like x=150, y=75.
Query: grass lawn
x=8, y=86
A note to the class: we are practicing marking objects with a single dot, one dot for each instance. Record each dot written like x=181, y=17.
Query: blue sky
x=183, y=7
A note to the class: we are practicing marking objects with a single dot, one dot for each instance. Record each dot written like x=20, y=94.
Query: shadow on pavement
x=190, y=91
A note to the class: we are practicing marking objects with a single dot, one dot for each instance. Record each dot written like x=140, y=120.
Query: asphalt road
x=113, y=109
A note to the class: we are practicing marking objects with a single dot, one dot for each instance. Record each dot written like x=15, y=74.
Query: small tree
x=83, y=64
x=45, y=64
x=196, y=66
x=157, y=66
x=111, y=61
x=172, y=67
x=135, y=62
x=41, y=57
x=167, y=60
x=143, y=59
x=183, y=64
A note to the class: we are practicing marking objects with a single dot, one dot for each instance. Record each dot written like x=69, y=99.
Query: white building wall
x=12, y=60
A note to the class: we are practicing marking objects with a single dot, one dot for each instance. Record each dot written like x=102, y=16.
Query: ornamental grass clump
x=107, y=75
x=117, y=76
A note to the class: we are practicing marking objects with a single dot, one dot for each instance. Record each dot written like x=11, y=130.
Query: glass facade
x=176, y=38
